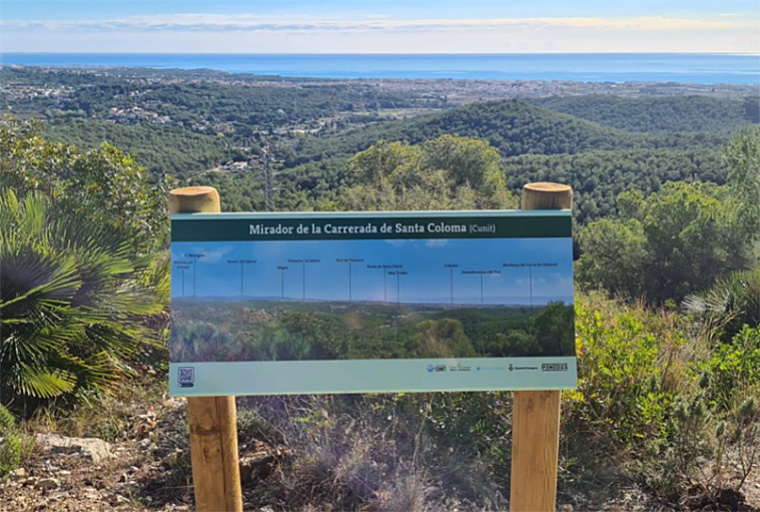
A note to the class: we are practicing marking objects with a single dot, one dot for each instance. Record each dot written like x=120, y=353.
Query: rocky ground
x=149, y=469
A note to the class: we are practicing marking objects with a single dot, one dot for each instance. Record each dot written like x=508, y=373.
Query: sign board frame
x=494, y=246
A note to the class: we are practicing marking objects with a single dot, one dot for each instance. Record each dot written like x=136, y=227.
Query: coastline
x=699, y=68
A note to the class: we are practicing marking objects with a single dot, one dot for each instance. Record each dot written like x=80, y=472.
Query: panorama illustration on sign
x=371, y=302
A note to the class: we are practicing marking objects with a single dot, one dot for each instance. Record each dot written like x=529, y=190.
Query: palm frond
x=72, y=301
x=44, y=382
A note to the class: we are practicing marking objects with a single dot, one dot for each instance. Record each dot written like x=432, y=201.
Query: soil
x=151, y=472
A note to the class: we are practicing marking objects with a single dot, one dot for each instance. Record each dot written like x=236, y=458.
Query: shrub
x=733, y=369
x=672, y=406
x=624, y=387
x=72, y=300
x=14, y=446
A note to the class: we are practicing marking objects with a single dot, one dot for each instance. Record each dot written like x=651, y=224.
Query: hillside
x=513, y=126
x=658, y=114
x=536, y=144
x=597, y=177
x=184, y=126
x=665, y=302
x=162, y=149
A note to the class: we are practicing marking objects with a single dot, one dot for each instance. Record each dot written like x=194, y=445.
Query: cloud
x=436, y=243
x=255, y=23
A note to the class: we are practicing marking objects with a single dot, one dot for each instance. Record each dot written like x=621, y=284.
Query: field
x=269, y=330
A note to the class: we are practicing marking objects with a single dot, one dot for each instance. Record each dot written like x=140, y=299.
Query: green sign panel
x=371, y=302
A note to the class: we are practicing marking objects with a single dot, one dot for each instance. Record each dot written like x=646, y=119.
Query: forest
x=234, y=330
x=659, y=114
x=666, y=310
x=534, y=144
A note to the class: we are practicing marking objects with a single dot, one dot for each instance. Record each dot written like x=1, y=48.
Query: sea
x=702, y=68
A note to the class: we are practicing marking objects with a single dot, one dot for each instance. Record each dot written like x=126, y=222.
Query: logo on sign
x=430, y=368
x=554, y=367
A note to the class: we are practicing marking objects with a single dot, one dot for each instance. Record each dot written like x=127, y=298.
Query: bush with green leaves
x=716, y=425
x=104, y=185
x=72, y=302
x=734, y=369
x=14, y=445
x=625, y=387
x=667, y=404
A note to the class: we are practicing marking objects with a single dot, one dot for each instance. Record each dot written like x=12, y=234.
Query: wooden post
x=535, y=414
x=213, y=420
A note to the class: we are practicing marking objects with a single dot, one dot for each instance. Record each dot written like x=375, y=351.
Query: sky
x=381, y=26
x=427, y=278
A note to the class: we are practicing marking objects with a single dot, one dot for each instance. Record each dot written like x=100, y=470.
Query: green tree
x=469, y=162
x=611, y=249
x=105, y=185
x=443, y=338
x=554, y=329
x=675, y=242
x=742, y=156
x=443, y=174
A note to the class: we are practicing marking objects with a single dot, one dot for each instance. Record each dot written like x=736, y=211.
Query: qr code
x=186, y=377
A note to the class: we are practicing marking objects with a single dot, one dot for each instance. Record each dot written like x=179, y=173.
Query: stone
x=30, y=481
x=90, y=448
x=19, y=473
x=257, y=465
x=47, y=483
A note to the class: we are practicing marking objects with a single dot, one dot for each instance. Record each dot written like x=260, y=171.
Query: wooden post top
x=194, y=200
x=544, y=195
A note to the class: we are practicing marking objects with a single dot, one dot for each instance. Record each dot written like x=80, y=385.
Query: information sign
x=371, y=302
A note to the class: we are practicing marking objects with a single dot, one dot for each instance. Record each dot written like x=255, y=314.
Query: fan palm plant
x=730, y=303
x=72, y=299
